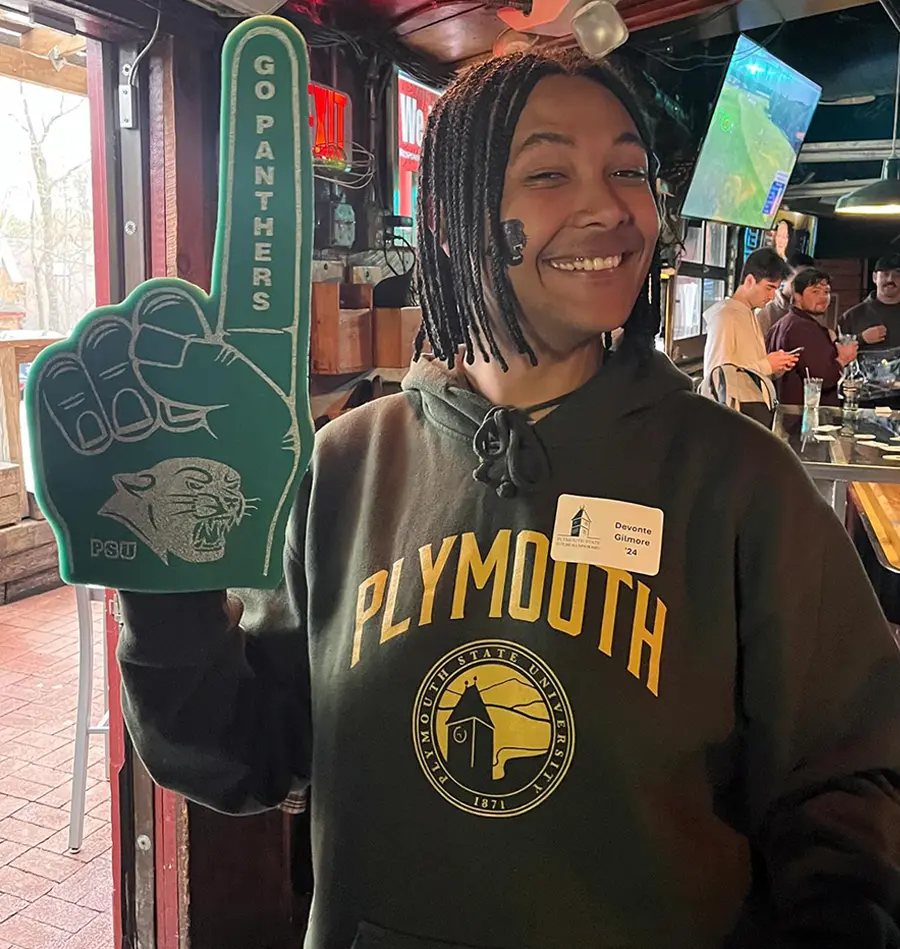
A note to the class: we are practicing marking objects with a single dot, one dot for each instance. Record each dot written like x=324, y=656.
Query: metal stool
x=84, y=598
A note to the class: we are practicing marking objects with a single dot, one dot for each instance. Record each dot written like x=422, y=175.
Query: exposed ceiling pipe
x=750, y=15
x=892, y=9
x=840, y=152
x=825, y=189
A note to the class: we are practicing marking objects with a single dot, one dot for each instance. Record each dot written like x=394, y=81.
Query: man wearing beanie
x=876, y=321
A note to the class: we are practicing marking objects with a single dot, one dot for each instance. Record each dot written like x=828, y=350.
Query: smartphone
x=797, y=351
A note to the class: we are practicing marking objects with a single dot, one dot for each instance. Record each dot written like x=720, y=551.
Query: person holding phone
x=803, y=331
x=734, y=337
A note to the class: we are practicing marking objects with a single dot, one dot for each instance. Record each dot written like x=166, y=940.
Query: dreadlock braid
x=461, y=181
x=513, y=96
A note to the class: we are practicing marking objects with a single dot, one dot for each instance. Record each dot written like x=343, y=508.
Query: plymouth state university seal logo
x=493, y=729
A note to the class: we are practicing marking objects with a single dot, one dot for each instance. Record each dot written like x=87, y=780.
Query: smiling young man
x=804, y=329
x=626, y=688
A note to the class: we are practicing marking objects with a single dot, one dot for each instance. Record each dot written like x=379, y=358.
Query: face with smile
x=577, y=181
x=888, y=284
x=815, y=299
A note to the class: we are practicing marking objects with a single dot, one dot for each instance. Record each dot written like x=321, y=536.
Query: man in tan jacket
x=734, y=336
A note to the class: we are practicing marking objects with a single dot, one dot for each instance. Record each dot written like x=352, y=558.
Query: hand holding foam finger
x=171, y=431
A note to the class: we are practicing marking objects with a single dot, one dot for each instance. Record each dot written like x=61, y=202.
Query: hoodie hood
x=514, y=455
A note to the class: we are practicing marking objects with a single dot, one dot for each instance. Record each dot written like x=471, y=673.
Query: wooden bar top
x=880, y=505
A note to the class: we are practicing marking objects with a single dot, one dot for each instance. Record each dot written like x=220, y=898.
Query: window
x=688, y=297
x=716, y=249
x=693, y=244
x=702, y=277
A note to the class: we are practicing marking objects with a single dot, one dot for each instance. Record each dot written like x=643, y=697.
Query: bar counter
x=862, y=470
x=873, y=520
x=838, y=450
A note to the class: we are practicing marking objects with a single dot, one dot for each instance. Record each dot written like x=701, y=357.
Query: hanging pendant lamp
x=881, y=199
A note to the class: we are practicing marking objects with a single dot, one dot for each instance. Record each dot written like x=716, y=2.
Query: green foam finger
x=170, y=432
x=262, y=278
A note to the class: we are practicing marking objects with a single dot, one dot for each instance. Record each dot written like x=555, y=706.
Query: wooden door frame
x=207, y=895
x=182, y=98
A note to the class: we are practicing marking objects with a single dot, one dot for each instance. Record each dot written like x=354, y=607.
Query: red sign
x=414, y=105
x=331, y=121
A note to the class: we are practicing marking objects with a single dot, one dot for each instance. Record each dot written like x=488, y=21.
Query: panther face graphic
x=181, y=506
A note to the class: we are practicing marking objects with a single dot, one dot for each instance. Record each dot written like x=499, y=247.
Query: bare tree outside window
x=46, y=221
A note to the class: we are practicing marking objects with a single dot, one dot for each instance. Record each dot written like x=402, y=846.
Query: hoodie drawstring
x=512, y=458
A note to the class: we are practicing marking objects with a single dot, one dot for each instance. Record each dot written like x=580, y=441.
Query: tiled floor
x=49, y=898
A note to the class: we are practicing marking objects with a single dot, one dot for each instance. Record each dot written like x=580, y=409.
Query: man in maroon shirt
x=803, y=328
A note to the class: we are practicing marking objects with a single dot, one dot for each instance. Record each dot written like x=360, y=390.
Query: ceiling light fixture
x=596, y=24
x=881, y=199
x=849, y=100
x=599, y=28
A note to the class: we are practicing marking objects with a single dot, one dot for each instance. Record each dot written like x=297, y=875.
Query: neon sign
x=414, y=104
x=331, y=121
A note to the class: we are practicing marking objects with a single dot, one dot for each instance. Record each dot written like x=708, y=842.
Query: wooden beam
x=17, y=64
x=39, y=40
x=10, y=434
x=12, y=354
x=11, y=26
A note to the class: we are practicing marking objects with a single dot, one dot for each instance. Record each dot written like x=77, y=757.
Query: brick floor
x=49, y=898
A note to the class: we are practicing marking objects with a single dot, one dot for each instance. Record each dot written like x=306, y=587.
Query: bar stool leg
x=83, y=716
x=105, y=718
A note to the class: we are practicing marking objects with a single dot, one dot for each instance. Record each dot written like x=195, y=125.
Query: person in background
x=804, y=329
x=734, y=337
x=781, y=238
x=876, y=321
x=773, y=311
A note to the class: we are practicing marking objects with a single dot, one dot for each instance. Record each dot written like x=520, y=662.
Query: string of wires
x=356, y=175
x=704, y=60
x=400, y=252
x=367, y=43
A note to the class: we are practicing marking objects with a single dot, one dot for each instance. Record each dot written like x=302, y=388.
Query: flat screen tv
x=760, y=122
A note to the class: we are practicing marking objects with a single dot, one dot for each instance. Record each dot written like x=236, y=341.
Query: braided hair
x=461, y=180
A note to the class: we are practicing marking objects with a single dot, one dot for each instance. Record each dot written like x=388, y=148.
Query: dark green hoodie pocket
x=369, y=936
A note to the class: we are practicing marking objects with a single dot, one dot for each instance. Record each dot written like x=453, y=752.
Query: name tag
x=608, y=533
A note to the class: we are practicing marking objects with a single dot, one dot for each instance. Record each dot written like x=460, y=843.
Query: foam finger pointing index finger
x=264, y=232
